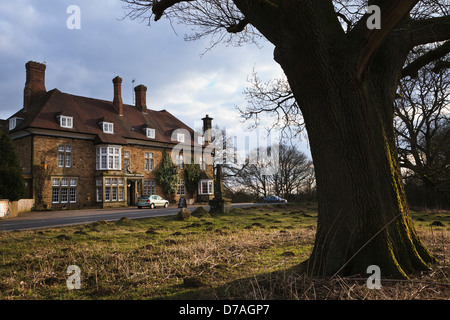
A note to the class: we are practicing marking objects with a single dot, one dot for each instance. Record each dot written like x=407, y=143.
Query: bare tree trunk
x=363, y=216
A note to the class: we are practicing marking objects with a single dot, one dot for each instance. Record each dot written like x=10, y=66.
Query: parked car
x=152, y=201
x=274, y=199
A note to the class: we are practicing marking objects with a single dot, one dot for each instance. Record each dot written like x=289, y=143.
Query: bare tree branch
x=429, y=30
x=371, y=39
x=412, y=69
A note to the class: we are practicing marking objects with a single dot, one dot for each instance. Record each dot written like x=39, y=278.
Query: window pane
x=99, y=194
x=210, y=185
x=56, y=181
x=55, y=195
x=68, y=160
x=73, y=195
x=104, y=163
x=64, y=182
x=114, y=194
x=108, y=194
x=61, y=159
x=64, y=195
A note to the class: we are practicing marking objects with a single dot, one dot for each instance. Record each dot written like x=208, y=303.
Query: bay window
x=109, y=158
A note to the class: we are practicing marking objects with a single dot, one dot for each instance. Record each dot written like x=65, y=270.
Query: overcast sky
x=84, y=61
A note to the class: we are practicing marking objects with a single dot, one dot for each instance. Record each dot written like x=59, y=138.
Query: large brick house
x=79, y=152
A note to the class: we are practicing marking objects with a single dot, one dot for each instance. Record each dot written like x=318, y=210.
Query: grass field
x=250, y=253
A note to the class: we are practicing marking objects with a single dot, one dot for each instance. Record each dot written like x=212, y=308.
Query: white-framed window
x=180, y=162
x=149, y=187
x=107, y=193
x=148, y=161
x=64, y=190
x=66, y=122
x=180, y=137
x=114, y=189
x=126, y=161
x=108, y=127
x=55, y=195
x=99, y=189
x=121, y=193
x=114, y=194
x=109, y=158
x=150, y=132
x=206, y=187
x=64, y=156
x=12, y=123
x=201, y=140
x=64, y=195
x=180, y=188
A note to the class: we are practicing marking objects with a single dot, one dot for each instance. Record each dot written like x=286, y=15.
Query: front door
x=131, y=191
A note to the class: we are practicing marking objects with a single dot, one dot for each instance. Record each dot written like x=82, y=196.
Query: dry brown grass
x=248, y=254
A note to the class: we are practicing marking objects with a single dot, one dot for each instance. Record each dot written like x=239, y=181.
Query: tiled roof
x=87, y=113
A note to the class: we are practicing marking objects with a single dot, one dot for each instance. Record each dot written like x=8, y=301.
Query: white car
x=152, y=201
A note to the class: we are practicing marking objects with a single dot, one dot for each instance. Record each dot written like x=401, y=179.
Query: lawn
x=250, y=253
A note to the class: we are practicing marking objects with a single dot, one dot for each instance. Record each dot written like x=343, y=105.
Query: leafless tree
x=422, y=126
x=344, y=76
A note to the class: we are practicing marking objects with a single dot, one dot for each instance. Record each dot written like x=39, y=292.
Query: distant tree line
x=292, y=178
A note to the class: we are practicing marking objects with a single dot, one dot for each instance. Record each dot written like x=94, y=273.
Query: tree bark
x=363, y=215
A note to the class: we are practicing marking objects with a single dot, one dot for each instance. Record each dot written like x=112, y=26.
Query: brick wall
x=82, y=167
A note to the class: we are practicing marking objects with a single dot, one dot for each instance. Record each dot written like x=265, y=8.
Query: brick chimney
x=34, y=84
x=141, y=99
x=207, y=134
x=117, y=102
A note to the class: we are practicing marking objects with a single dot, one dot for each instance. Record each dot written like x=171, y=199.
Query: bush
x=12, y=185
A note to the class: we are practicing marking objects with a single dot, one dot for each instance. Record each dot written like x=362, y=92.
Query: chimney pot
x=141, y=98
x=207, y=134
x=34, y=84
x=117, y=101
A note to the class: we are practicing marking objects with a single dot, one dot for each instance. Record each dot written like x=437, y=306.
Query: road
x=51, y=219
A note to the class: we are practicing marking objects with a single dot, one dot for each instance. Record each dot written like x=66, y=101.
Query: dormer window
x=66, y=122
x=180, y=137
x=108, y=127
x=150, y=132
x=14, y=122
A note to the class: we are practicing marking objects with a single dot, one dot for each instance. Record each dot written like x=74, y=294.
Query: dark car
x=274, y=199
